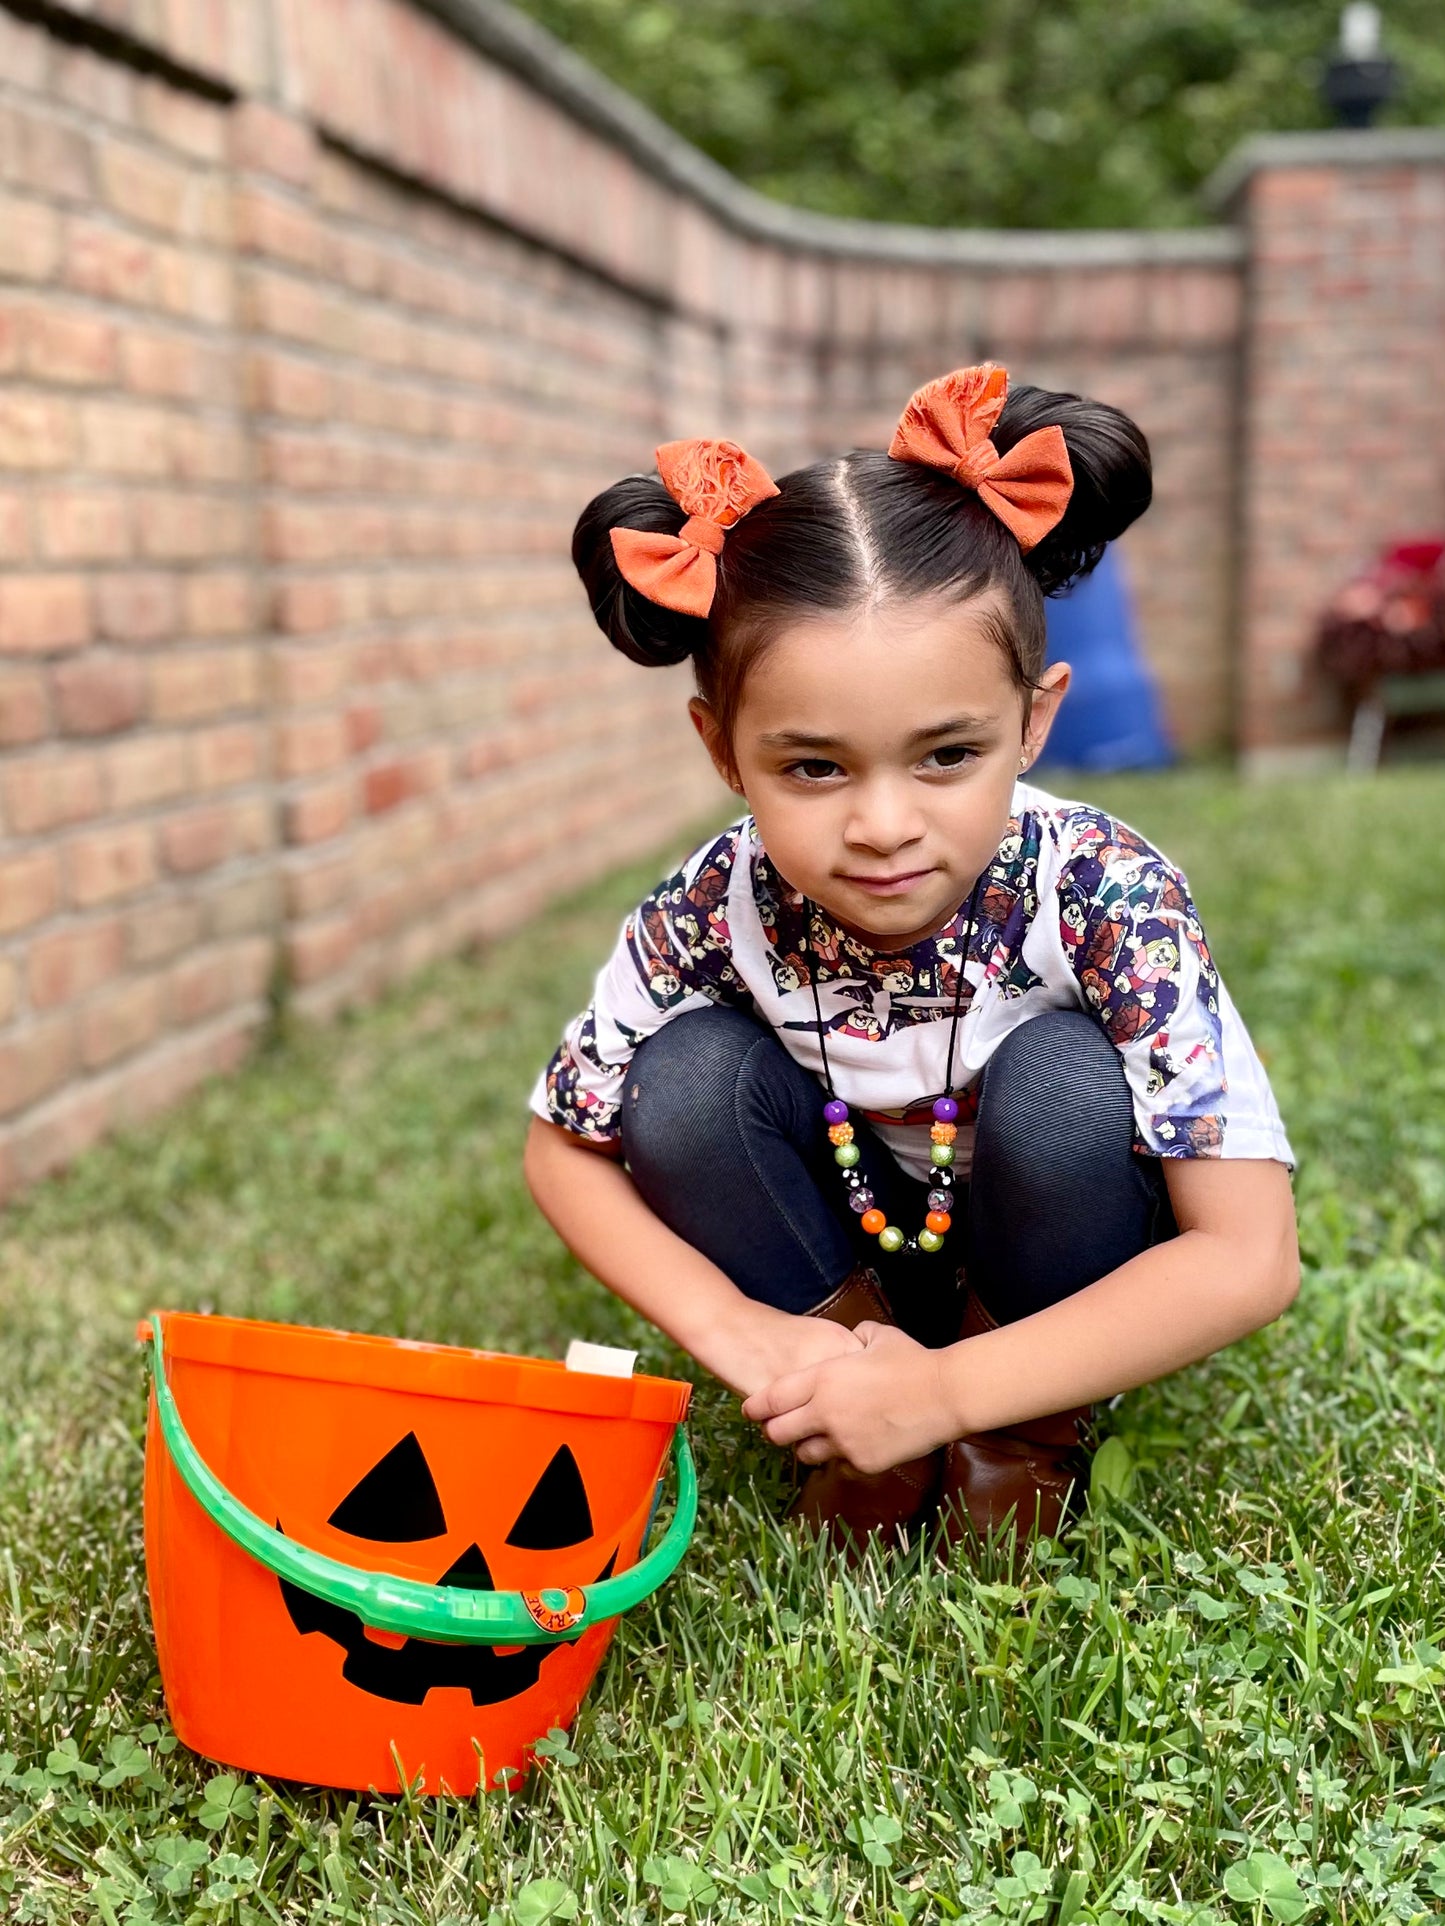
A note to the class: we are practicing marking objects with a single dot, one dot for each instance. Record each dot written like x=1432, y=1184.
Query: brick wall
x=320, y=319
x=138, y=894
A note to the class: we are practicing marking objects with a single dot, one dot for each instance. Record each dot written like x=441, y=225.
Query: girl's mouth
x=889, y=885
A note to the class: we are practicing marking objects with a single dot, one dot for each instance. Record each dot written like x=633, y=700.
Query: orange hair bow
x=717, y=484
x=947, y=425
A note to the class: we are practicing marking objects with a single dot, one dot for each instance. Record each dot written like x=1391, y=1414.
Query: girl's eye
x=813, y=771
x=953, y=755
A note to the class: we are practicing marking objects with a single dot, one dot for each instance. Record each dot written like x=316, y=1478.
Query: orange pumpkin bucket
x=374, y=1562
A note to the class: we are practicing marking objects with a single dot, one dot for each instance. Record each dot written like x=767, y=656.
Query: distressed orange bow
x=947, y=425
x=717, y=484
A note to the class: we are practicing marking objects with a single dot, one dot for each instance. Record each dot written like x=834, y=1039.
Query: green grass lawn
x=1218, y=1699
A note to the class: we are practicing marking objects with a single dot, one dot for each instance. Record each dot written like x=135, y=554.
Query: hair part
x=864, y=528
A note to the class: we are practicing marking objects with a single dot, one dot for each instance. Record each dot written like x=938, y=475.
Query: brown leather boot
x=851, y=1506
x=1037, y=1471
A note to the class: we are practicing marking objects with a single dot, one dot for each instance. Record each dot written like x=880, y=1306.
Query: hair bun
x=1113, y=478
x=643, y=631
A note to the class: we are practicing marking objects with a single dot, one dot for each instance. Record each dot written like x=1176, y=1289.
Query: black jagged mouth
x=405, y=1673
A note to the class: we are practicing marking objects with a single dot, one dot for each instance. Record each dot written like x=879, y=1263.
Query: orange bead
x=943, y=1133
x=840, y=1133
x=938, y=1221
x=874, y=1221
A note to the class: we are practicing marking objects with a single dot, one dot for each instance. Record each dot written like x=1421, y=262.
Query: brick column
x=1343, y=404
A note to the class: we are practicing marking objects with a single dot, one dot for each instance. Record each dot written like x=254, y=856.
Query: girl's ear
x=708, y=727
x=1043, y=707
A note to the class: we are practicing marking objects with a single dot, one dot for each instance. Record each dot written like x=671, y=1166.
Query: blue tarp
x=1111, y=717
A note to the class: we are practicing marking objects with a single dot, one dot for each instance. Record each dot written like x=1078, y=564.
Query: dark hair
x=862, y=526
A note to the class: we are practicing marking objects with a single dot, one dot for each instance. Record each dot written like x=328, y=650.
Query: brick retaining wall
x=319, y=319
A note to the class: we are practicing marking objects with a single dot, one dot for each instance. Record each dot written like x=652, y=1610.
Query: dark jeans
x=725, y=1139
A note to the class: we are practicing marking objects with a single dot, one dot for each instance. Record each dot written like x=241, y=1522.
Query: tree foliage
x=992, y=113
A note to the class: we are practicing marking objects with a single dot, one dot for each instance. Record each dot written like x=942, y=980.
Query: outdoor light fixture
x=1358, y=78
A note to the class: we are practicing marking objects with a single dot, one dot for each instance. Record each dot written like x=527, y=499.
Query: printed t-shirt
x=1075, y=912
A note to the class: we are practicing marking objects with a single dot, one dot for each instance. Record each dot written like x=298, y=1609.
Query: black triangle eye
x=397, y=1501
x=557, y=1513
x=471, y=1572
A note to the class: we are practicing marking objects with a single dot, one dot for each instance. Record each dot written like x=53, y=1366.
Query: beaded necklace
x=943, y=1131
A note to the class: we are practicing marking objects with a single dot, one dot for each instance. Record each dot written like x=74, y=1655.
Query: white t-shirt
x=1075, y=912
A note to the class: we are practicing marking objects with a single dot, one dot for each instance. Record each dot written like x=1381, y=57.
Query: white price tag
x=603, y=1360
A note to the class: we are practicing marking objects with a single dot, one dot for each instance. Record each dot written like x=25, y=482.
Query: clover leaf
x=226, y=1798
x=681, y=1884
x=542, y=1900
x=1265, y=1880
x=874, y=1834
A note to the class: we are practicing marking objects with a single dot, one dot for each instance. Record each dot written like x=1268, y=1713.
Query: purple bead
x=940, y=1200
x=945, y=1109
x=836, y=1111
x=861, y=1200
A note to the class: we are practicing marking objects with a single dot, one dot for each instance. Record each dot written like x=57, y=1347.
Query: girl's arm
x=590, y=1201
x=1233, y=1267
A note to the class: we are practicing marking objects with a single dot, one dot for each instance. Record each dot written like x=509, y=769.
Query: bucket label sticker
x=556, y=1611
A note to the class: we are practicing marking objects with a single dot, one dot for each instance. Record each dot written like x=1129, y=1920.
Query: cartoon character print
x=679, y=938
x=677, y=942
x=1095, y=964
x=1156, y=961
x=1132, y=976
x=779, y=908
x=861, y=1024
x=1007, y=905
x=827, y=942
x=1191, y=1136
x=707, y=897
x=1162, y=1067
x=1123, y=919
x=1203, y=1135
x=569, y=1099
x=942, y=979
x=1073, y=927
x=1133, y=938
x=653, y=948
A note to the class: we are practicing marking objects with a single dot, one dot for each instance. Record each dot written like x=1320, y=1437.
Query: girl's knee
x=1055, y=1089
x=681, y=1087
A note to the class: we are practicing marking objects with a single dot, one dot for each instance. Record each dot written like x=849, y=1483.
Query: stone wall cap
x=534, y=55
x=1329, y=147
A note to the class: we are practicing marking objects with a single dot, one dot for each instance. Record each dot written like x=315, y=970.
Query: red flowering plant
x=1389, y=620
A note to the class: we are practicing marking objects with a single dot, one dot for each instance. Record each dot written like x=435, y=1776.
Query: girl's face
x=878, y=752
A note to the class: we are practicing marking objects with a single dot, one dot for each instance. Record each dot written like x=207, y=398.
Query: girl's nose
x=884, y=818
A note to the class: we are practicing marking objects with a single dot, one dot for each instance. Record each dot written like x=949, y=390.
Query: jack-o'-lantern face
x=397, y=1502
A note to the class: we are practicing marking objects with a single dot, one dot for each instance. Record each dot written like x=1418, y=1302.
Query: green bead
x=847, y=1155
x=890, y=1238
x=941, y=1155
x=929, y=1241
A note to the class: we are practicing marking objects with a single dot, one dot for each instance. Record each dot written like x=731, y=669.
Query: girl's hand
x=878, y=1407
x=769, y=1345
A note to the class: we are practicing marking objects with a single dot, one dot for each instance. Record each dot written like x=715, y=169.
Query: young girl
x=913, y=1105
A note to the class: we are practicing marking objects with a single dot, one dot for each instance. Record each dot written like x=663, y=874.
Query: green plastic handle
x=448, y=1613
